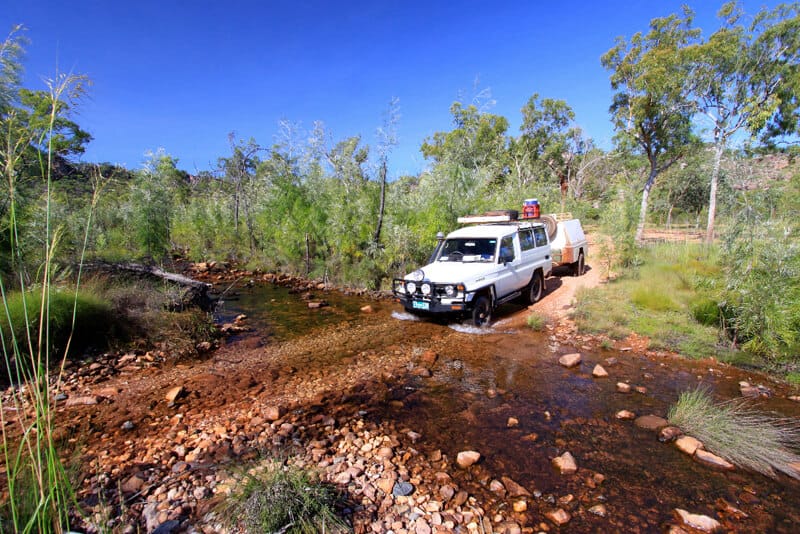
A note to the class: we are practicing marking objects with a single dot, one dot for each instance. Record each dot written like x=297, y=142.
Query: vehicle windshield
x=467, y=250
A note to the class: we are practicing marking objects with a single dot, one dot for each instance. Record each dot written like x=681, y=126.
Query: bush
x=535, y=322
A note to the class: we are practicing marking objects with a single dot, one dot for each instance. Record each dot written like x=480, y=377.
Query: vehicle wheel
x=535, y=288
x=482, y=313
x=579, y=267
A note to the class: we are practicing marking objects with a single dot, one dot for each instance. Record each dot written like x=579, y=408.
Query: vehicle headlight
x=416, y=276
x=449, y=291
x=426, y=288
x=411, y=287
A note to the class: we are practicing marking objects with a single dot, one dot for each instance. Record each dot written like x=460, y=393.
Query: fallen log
x=195, y=292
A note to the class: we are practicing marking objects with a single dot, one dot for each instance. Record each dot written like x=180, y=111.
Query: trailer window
x=540, y=235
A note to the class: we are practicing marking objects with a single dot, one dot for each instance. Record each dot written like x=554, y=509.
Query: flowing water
x=483, y=377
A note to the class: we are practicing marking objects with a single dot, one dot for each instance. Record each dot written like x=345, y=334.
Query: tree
x=745, y=78
x=651, y=110
x=239, y=170
x=387, y=135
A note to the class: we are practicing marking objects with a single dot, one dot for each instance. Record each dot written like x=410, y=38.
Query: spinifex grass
x=39, y=494
x=278, y=497
x=735, y=431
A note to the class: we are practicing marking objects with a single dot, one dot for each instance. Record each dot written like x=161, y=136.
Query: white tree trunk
x=645, y=196
x=712, y=196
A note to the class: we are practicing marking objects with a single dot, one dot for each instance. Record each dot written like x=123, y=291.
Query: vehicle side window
x=507, y=249
x=540, y=234
x=526, y=241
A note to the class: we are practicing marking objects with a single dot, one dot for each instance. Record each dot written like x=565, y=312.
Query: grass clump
x=535, y=322
x=733, y=430
x=278, y=497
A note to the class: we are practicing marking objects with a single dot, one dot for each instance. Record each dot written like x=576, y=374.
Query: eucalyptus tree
x=745, y=77
x=651, y=109
x=239, y=170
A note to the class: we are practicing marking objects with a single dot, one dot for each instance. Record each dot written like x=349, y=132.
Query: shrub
x=535, y=322
x=733, y=430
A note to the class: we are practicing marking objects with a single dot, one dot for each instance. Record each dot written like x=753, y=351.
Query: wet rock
x=599, y=372
x=641, y=390
x=599, y=510
x=317, y=304
x=402, y=489
x=625, y=414
x=669, y=434
x=570, y=360
x=512, y=422
x=700, y=522
x=712, y=460
x=558, y=516
x=622, y=387
x=514, y=489
x=88, y=400
x=794, y=398
x=367, y=309
x=465, y=459
x=688, y=444
x=611, y=361
x=174, y=393
x=565, y=463
x=650, y=422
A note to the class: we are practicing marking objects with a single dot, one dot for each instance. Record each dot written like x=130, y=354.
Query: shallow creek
x=482, y=378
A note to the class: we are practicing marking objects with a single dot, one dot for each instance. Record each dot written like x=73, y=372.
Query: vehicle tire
x=482, y=312
x=579, y=267
x=535, y=289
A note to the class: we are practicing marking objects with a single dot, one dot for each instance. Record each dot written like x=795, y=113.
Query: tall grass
x=735, y=431
x=39, y=493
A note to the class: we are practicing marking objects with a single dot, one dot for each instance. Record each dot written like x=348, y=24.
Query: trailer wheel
x=579, y=267
x=482, y=313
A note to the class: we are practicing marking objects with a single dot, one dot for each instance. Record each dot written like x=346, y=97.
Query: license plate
x=420, y=305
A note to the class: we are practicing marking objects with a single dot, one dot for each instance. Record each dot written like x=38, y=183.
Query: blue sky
x=181, y=75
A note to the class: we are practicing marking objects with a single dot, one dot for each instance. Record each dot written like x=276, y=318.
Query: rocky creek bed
x=423, y=427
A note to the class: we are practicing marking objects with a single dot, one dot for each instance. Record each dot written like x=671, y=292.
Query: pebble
x=622, y=387
x=558, y=516
x=599, y=371
x=402, y=489
x=625, y=414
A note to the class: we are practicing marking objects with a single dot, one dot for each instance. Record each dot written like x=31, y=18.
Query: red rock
x=514, y=489
x=622, y=387
x=712, y=460
x=174, y=393
x=559, y=516
x=88, y=400
x=599, y=372
x=570, y=360
x=566, y=463
x=650, y=422
x=688, y=444
x=700, y=522
x=273, y=413
x=625, y=414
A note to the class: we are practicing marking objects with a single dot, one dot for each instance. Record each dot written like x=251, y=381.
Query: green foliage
x=282, y=498
x=761, y=258
x=735, y=431
x=706, y=311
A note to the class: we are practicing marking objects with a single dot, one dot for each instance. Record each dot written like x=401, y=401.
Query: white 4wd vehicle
x=477, y=268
